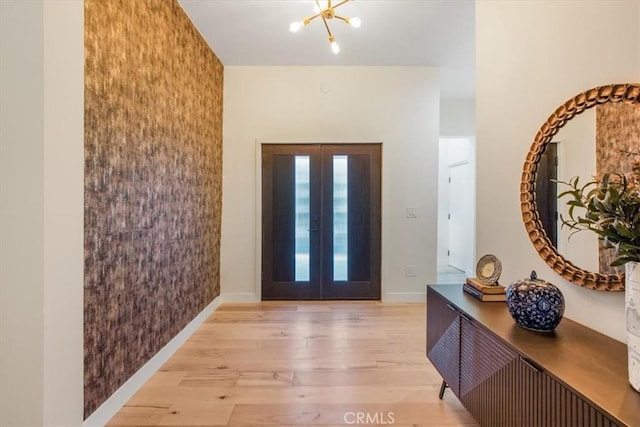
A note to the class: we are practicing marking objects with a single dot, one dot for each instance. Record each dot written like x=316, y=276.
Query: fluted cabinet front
x=443, y=339
x=543, y=401
x=488, y=377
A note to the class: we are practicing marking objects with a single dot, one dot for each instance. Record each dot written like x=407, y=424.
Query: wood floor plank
x=370, y=425
x=295, y=364
x=369, y=377
x=266, y=378
x=197, y=413
x=345, y=414
x=165, y=396
x=215, y=378
x=306, y=362
x=139, y=416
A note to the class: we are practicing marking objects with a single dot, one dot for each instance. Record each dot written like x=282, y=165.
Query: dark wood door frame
x=364, y=170
x=288, y=287
x=355, y=289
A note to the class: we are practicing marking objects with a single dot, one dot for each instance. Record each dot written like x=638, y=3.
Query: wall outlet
x=411, y=213
x=410, y=270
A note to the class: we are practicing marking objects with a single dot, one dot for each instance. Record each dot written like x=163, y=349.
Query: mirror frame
x=626, y=93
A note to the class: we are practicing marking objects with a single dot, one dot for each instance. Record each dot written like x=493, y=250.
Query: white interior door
x=461, y=216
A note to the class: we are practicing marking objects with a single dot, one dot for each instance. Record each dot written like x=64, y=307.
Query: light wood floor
x=295, y=364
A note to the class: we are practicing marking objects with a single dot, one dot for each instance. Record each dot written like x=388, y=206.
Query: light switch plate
x=410, y=270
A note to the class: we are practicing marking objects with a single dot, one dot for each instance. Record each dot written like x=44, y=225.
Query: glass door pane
x=302, y=219
x=340, y=218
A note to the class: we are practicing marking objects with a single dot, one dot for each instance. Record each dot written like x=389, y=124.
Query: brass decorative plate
x=489, y=269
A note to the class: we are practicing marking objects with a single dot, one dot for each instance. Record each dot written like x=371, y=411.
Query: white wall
x=41, y=219
x=531, y=57
x=457, y=117
x=397, y=106
x=63, y=213
x=21, y=221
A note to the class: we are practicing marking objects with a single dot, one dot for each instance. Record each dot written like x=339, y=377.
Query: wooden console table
x=507, y=376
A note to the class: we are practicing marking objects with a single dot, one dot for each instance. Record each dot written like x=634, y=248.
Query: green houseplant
x=610, y=207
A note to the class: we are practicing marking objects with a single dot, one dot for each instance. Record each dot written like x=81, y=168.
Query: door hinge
x=448, y=252
x=449, y=216
x=449, y=180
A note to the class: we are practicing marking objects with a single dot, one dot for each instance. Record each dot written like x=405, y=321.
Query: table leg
x=443, y=387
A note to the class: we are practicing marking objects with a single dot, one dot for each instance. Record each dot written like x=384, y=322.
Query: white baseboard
x=113, y=404
x=400, y=297
x=240, y=297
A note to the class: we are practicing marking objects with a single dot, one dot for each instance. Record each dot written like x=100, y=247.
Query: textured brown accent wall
x=153, y=162
x=617, y=133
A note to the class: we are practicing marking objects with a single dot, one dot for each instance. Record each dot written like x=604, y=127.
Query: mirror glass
x=594, y=133
x=600, y=140
x=571, y=152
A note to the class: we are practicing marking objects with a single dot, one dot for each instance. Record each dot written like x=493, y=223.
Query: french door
x=321, y=221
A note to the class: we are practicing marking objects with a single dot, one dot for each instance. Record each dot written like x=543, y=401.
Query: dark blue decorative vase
x=535, y=304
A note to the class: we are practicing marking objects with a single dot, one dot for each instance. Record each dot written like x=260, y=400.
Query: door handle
x=314, y=227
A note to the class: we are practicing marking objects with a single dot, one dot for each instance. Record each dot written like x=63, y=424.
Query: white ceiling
x=438, y=33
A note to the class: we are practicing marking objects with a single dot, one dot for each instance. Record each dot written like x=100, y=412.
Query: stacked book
x=484, y=292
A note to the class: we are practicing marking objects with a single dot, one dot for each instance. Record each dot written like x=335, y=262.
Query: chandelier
x=329, y=12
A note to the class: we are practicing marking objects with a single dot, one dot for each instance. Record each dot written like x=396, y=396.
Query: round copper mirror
x=615, y=93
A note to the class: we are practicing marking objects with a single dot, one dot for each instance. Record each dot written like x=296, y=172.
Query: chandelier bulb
x=294, y=27
x=355, y=22
x=335, y=48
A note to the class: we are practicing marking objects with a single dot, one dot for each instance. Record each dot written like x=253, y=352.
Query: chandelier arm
x=327, y=27
x=346, y=20
x=339, y=4
x=311, y=18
